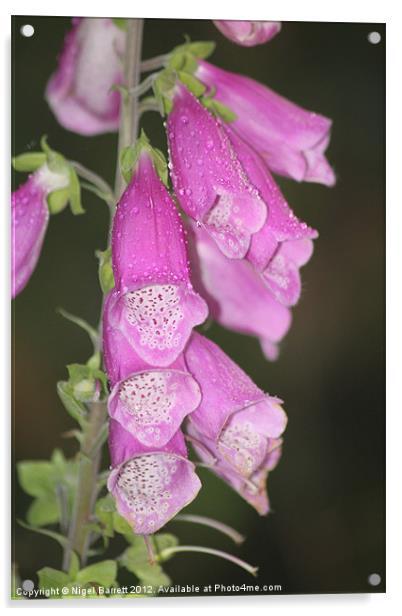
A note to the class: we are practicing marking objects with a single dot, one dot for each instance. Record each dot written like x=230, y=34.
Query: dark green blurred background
x=326, y=532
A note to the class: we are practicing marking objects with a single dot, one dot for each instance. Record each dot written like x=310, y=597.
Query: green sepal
x=105, y=271
x=58, y=199
x=73, y=407
x=197, y=49
x=192, y=83
x=130, y=156
x=163, y=87
x=58, y=164
x=75, y=193
x=183, y=61
x=81, y=385
x=29, y=161
x=120, y=22
x=218, y=109
x=55, y=161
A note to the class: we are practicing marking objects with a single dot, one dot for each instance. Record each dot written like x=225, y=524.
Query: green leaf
x=61, y=540
x=29, y=161
x=75, y=193
x=192, y=83
x=58, y=200
x=35, y=477
x=74, y=407
x=74, y=566
x=151, y=574
x=43, y=511
x=164, y=540
x=43, y=480
x=106, y=278
x=135, y=559
x=52, y=578
x=104, y=510
x=103, y=573
x=122, y=527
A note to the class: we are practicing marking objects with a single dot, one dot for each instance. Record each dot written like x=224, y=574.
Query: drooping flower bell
x=248, y=33
x=150, y=403
x=291, y=139
x=209, y=181
x=29, y=220
x=235, y=421
x=150, y=485
x=237, y=296
x=153, y=303
x=284, y=243
x=253, y=488
x=80, y=91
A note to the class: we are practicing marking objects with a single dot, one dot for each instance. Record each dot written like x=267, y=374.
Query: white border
x=286, y=10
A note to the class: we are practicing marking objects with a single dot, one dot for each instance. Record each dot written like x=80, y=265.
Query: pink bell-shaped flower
x=208, y=179
x=29, y=220
x=248, y=33
x=237, y=295
x=153, y=303
x=150, y=403
x=291, y=140
x=235, y=420
x=150, y=485
x=80, y=91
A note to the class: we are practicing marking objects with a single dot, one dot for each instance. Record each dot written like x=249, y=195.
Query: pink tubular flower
x=208, y=179
x=235, y=420
x=252, y=489
x=153, y=304
x=150, y=403
x=248, y=33
x=237, y=296
x=29, y=220
x=284, y=243
x=150, y=486
x=291, y=140
x=79, y=92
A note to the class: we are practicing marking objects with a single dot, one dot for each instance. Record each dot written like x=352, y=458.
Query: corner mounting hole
x=374, y=38
x=27, y=30
x=374, y=579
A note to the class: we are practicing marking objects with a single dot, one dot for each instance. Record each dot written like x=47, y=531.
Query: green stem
x=168, y=552
x=153, y=63
x=78, y=538
x=87, y=488
x=219, y=526
x=129, y=104
x=96, y=180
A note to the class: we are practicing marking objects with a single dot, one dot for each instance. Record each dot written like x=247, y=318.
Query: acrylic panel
x=198, y=221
